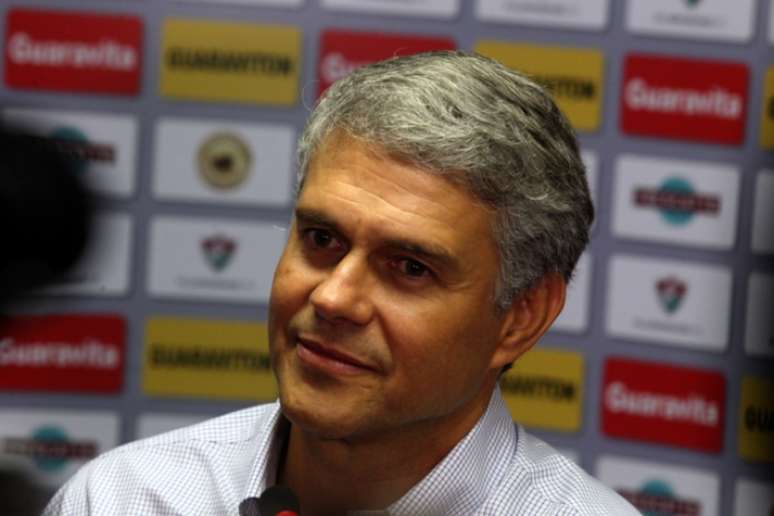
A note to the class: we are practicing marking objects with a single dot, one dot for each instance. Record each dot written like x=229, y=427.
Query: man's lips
x=325, y=356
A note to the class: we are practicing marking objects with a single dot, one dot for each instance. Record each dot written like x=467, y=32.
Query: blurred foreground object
x=45, y=213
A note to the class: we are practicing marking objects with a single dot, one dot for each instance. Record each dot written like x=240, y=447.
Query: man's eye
x=412, y=268
x=320, y=239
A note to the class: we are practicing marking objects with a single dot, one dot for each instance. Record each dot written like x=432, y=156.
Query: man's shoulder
x=234, y=427
x=543, y=479
x=206, y=459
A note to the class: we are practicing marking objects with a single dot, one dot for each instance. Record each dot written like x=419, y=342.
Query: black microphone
x=274, y=501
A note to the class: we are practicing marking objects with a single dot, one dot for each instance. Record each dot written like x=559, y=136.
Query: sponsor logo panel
x=753, y=498
x=213, y=259
x=238, y=62
x=544, y=389
x=423, y=8
x=73, y=51
x=574, y=317
x=208, y=359
x=104, y=268
x=759, y=327
x=576, y=14
x=222, y=161
x=100, y=148
x=767, y=112
x=763, y=215
x=691, y=203
x=342, y=51
x=771, y=22
x=74, y=353
x=663, y=403
x=53, y=444
x=574, y=76
x=661, y=489
x=149, y=425
x=691, y=19
x=591, y=162
x=267, y=3
x=756, y=419
x=669, y=302
x=684, y=99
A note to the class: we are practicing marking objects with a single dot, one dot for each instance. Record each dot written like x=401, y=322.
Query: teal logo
x=50, y=437
x=656, y=498
x=671, y=292
x=692, y=3
x=50, y=448
x=218, y=251
x=677, y=201
x=74, y=145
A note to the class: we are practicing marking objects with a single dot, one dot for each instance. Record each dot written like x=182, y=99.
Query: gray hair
x=481, y=125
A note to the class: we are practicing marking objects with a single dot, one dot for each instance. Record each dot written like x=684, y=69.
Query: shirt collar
x=461, y=477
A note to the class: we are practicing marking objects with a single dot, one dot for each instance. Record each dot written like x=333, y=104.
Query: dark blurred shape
x=45, y=213
x=19, y=495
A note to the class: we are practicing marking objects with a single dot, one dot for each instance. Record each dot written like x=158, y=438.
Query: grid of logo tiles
x=164, y=308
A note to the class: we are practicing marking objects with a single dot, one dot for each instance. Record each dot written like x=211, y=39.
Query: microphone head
x=278, y=501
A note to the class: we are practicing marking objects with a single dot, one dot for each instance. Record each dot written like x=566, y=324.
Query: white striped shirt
x=209, y=468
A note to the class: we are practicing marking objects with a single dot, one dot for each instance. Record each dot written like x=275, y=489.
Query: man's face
x=382, y=313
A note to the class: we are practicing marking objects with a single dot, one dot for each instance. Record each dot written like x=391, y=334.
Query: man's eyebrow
x=435, y=254
x=316, y=218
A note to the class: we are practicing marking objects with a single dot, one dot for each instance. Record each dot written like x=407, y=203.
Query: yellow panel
x=574, y=76
x=756, y=420
x=208, y=359
x=767, y=116
x=239, y=62
x=544, y=389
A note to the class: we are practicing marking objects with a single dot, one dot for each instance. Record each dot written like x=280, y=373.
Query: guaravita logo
x=685, y=99
x=663, y=403
x=73, y=51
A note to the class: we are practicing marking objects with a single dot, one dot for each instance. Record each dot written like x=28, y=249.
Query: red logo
x=72, y=51
x=663, y=403
x=343, y=51
x=684, y=99
x=76, y=353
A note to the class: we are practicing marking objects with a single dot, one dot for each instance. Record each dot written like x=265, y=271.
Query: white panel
x=424, y=8
x=104, y=268
x=661, y=482
x=646, y=188
x=214, y=259
x=114, y=136
x=85, y=433
x=753, y=498
x=576, y=14
x=574, y=318
x=674, y=303
x=256, y=162
x=759, y=332
x=705, y=20
x=763, y=216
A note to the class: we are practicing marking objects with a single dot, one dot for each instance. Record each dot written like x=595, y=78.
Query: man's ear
x=528, y=318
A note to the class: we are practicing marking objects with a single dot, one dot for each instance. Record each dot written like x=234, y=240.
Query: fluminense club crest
x=218, y=251
x=671, y=291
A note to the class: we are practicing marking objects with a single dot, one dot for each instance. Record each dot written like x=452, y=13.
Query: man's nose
x=343, y=295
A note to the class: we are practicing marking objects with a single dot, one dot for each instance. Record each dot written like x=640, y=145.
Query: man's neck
x=331, y=477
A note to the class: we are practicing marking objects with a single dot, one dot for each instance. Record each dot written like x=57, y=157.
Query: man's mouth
x=321, y=356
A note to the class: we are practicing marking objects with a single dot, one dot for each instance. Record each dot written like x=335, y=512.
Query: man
x=442, y=206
